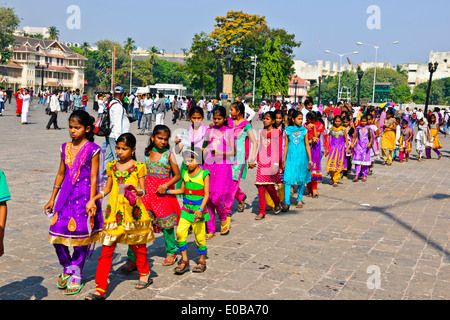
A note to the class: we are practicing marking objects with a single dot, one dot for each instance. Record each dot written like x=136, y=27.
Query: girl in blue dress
x=297, y=159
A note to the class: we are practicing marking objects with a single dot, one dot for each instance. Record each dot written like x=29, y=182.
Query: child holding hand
x=195, y=191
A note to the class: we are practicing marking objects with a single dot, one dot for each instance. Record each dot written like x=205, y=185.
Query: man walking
x=160, y=108
x=175, y=110
x=54, y=108
x=147, y=116
x=119, y=123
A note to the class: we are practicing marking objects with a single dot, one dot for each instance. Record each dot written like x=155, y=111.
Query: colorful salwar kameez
x=433, y=127
x=361, y=151
x=240, y=163
x=268, y=166
x=221, y=174
x=296, y=171
x=71, y=225
x=337, y=159
x=164, y=210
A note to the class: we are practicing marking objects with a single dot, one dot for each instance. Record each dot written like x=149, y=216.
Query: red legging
x=105, y=260
x=312, y=186
x=262, y=197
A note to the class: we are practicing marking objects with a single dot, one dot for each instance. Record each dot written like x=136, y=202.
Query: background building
x=38, y=63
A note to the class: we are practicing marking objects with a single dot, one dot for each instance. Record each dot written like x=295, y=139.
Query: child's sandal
x=170, y=260
x=73, y=288
x=93, y=296
x=209, y=236
x=200, y=267
x=64, y=280
x=130, y=266
x=179, y=270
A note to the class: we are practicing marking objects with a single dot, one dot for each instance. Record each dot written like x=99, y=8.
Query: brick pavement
x=394, y=226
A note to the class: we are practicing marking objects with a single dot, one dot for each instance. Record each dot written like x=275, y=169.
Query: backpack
x=102, y=126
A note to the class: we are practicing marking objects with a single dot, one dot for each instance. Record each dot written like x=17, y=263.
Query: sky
x=419, y=26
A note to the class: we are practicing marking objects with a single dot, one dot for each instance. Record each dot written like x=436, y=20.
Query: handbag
x=48, y=111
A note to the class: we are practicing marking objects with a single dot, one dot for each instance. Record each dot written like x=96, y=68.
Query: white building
x=311, y=72
x=419, y=73
x=47, y=63
x=33, y=31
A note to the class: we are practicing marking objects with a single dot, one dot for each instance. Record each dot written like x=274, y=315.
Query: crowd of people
x=161, y=196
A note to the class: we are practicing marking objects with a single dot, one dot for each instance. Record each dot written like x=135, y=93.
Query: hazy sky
x=420, y=26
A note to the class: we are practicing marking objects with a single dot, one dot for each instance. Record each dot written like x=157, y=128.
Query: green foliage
x=53, y=33
x=400, y=92
x=440, y=92
x=9, y=21
x=202, y=64
x=273, y=80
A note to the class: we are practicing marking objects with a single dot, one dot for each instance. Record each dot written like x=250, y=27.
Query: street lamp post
x=432, y=68
x=376, y=57
x=360, y=75
x=254, y=61
x=219, y=59
x=295, y=90
x=38, y=65
x=318, y=99
x=340, y=67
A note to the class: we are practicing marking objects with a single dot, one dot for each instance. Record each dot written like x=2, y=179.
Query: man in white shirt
x=209, y=109
x=201, y=103
x=147, y=116
x=419, y=115
x=119, y=124
x=136, y=104
x=249, y=112
x=160, y=109
x=55, y=107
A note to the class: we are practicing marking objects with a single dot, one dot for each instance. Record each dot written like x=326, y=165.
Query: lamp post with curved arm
x=376, y=57
x=340, y=65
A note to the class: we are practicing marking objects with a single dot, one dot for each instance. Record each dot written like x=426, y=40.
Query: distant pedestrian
x=160, y=109
x=54, y=109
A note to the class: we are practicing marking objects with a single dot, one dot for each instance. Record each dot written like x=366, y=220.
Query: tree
x=202, y=63
x=53, y=33
x=401, y=94
x=231, y=29
x=273, y=80
x=9, y=22
x=153, y=51
x=128, y=45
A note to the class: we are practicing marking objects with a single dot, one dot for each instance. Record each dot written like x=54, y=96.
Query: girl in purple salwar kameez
x=77, y=181
x=361, y=149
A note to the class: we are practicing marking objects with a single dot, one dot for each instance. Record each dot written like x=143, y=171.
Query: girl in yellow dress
x=388, y=139
x=434, y=139
x=126, y=219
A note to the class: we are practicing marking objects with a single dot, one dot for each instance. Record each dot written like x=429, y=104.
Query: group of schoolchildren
x=144, y=196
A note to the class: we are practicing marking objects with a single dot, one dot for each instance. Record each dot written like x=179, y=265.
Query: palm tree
x=128, y=45
x=53, y=33
x=152, y=54
x=85, y=48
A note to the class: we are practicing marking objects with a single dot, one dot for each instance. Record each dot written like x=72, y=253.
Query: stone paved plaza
x=394, y=228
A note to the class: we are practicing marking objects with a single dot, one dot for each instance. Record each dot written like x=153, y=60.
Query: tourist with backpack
x=118, y=123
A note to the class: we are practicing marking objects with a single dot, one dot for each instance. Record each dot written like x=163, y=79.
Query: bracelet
x=164, y=186
x=200, y=209
x=167, y=191
x=103, y=194
x=143, y=193
x=56, y=187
